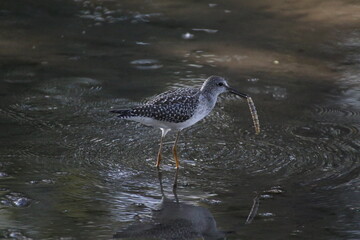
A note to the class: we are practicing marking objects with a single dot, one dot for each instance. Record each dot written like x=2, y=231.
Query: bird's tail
x=123, y=113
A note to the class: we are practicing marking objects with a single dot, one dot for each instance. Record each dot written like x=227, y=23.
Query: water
x=71, y=170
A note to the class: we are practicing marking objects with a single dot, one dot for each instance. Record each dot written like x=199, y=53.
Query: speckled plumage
x=173, y=106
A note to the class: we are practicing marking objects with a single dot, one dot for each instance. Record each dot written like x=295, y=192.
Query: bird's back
x=174, y=106
x=175, y=96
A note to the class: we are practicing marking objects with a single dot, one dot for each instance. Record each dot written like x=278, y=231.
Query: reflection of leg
x=175, y=179
x=163, y=133
x=175, y=184
x=174, y=150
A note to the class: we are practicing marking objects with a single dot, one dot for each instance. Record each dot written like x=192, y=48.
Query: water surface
x=71, y=170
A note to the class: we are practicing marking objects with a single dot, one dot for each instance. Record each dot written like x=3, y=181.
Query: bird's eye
x=220, y=84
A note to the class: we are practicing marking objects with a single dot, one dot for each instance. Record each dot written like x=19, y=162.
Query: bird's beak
x=231, y=90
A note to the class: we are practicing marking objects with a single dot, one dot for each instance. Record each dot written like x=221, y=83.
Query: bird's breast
x=203, y=109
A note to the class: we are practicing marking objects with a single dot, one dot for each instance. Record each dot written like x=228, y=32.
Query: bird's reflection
x=174, y=220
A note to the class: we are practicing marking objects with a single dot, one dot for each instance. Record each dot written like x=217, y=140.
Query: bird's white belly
x=156, y=123
x=199, y=114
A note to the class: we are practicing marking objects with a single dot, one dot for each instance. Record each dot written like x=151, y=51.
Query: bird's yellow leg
x=163, y=133
x=158, y=161
x=175, y=152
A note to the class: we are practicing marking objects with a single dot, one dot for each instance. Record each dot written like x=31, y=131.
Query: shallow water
x=71, y=170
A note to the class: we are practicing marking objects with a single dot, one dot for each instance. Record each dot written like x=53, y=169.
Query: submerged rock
x=13, y=234
x=16, y=200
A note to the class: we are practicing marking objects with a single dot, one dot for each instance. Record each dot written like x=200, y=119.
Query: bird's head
x=215, y=85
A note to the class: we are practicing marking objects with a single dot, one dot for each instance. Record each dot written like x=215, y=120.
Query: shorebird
x=178, y=109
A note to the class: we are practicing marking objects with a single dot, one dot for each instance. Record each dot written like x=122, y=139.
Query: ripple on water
x=23, y=117
x=18, y=80
x=331, y=147
x=324, y=131
x=107, y=13
x=206, y=30
x=68, y=85
x=308, y=152
x=56, y=102
x=146, y=64
x=335, y=112
x=22, y=73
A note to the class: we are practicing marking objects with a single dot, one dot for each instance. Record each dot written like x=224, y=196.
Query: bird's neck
x=208, y=98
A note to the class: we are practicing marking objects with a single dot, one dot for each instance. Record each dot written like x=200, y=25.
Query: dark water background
x=70, y=170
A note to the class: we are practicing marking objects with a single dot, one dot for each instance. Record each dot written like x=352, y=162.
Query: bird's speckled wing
x=172, y=106
x=174, y=96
